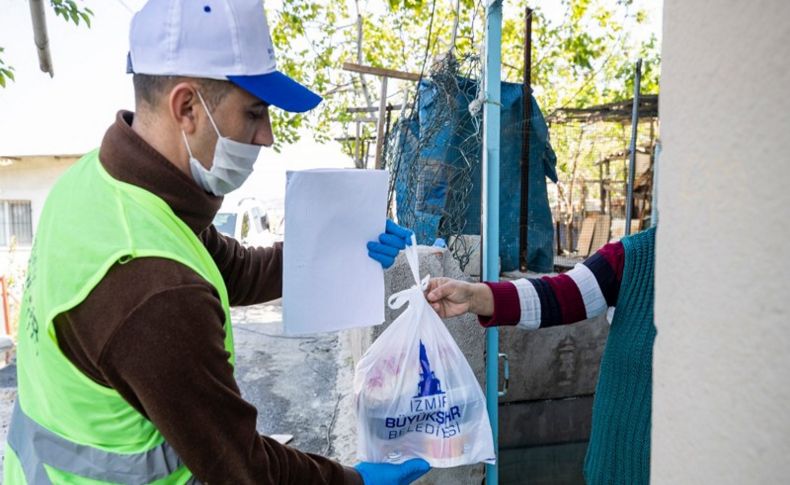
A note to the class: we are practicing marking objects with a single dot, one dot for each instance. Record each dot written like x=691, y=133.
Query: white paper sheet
x=329, y=282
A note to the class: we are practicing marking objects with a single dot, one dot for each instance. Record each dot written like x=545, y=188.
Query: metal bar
x=609, y=192
x=380, y=71
x=490, y=212
x=602, y=189
x=40, y=36
x=632, y=150
x=387, y=132
x=524, y=216
x=380, y=125
x=357, y=147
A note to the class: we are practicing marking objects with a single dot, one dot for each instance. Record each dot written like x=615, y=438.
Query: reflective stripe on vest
x=36, y=446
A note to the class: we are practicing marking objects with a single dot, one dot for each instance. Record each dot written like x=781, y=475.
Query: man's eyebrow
x=259, y=104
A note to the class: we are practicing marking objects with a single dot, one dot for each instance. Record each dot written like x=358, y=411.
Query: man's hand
x=390, y=242
x=450, y=298
x=389, y=474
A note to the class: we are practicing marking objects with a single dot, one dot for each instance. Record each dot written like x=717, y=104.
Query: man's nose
x=264, y=135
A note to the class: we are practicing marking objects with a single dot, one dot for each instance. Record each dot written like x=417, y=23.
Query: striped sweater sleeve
x=583, y=292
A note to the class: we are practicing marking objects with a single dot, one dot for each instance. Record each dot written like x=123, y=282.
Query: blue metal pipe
x=490, y=212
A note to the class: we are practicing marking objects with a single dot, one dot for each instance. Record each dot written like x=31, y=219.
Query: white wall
x=30, y=178
x=721, y=406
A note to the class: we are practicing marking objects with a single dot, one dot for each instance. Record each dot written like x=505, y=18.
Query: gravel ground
x=300, y=385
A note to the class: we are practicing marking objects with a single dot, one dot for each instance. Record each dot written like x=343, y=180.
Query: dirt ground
x=300, y=385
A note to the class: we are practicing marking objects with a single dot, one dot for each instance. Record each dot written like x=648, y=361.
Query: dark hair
x=149, y=89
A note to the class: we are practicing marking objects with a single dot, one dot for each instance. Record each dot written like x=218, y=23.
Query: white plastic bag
x=415, y=393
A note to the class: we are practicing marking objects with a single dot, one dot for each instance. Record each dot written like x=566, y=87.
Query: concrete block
x=554, y=362
x=469, y=244
x=538, y=423
x=543, y=465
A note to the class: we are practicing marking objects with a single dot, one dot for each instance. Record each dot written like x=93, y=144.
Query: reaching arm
x=583, y=292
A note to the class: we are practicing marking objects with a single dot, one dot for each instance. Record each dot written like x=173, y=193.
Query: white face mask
x=232, y=164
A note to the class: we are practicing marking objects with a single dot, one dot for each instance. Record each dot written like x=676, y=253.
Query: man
x=125, y=355
x=618, y=275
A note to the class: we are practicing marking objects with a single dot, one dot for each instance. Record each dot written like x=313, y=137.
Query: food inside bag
x=416, y=395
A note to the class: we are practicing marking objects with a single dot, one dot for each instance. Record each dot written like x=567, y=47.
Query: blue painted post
x=490, y=212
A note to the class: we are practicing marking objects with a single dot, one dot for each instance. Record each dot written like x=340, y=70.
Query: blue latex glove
x=389, y=474
x=386, y=249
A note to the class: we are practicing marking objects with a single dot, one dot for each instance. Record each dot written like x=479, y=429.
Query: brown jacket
x=152, y=329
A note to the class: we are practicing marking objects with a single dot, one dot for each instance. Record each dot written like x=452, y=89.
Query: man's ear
x=182, y=104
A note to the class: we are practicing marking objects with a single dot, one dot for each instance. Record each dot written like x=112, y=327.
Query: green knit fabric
x=619, y=448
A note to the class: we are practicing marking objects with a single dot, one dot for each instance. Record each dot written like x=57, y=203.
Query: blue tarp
x=444, y=181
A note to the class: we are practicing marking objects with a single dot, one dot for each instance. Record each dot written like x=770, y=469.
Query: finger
x=433, y=283
x=440, y=292
x=399, y=231
x=415, y=468
x=386, y=261
x=437, y=307
x=375, y=247
x=393, y=241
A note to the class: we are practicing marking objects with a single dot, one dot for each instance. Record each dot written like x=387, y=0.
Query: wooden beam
x=373, y=110
x=359, y=119
x=380, y=71
x=352, y=138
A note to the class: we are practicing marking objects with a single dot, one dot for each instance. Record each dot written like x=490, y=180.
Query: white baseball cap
x=214, y=39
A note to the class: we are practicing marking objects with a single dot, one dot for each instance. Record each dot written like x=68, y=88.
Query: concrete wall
x=553, y=373
x=30, y=178
x=721, y=406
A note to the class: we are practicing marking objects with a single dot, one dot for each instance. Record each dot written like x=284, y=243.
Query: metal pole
x=632, y=149
x=523, y=232
x=380, y=126
x=490, y=212
x=40, y=36
x=386, y=134
x=358, y=147
x=602, y=189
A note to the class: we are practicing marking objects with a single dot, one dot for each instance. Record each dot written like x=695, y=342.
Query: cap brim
x=279, y=90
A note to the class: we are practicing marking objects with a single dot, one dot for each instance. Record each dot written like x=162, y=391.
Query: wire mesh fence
x=434, y=152
x=419, y=150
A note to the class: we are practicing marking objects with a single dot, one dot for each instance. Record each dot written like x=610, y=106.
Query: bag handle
x=400, y=298
x=413, y=259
